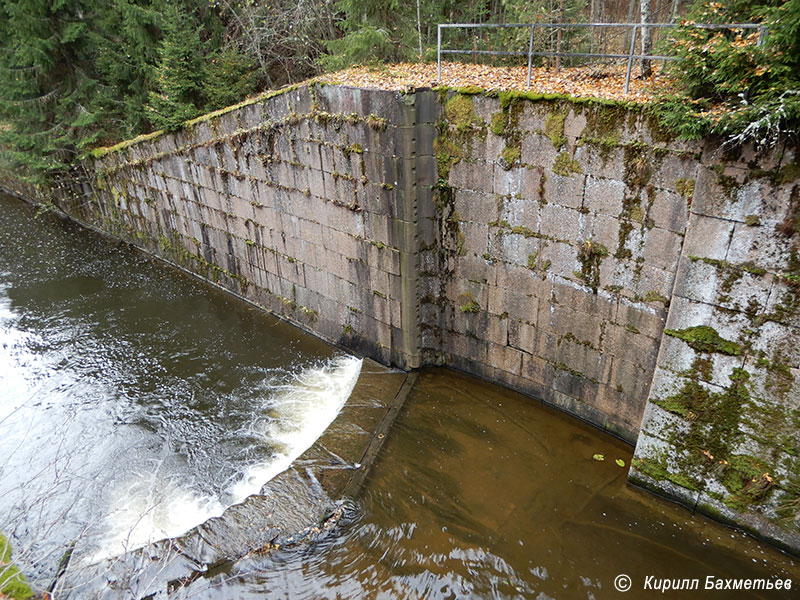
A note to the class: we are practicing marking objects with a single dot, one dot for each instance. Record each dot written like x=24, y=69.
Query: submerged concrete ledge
x=298, y=506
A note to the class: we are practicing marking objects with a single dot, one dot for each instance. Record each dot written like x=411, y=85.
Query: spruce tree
x=48, y=85
x=178, y=87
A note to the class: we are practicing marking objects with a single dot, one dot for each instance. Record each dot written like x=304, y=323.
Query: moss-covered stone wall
x=721, y=430
x=561, y=224
x=303, y=202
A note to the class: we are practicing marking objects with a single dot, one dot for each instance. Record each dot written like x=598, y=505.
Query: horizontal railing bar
x=627, y=25
x=563, y=54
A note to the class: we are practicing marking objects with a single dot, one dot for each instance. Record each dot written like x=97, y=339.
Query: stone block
x=538, y=370
x=727, y=193
x=505, y=358
x=476, y=238
x=604, y=196
x=519, y=212
x=602, y=229
x=522, y=336
x=533, y=180
x=561, y=223
x=472, y=268
x=464, y=346
x=672, y=168
x=538, y=151
x=669, y=211
x=564, y=190
x=646, y=319
x=654, y=285
x=561, y=258
x=508, y=182
x=562, y=320
x=600, y=161
x=567, y=293
x=630, y=379
x=515, y=248
x=512, y=303
x=475, y=176
x=759, y=246
x=625, y=343
x=707, y=237
x=387, y=259
x=478, y=207
x=522, y=279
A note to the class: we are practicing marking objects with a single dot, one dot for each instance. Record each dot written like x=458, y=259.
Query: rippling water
x=138, y=402
x=122, y=379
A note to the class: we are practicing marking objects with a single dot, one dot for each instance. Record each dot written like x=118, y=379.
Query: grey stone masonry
x=573, y=251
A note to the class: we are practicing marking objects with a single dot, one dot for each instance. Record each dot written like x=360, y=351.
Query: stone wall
x=721, y=430
x=561, y=228
x=570, y=250
x=304, y=202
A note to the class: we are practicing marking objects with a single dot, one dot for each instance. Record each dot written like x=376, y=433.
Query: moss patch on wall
x=704, y=338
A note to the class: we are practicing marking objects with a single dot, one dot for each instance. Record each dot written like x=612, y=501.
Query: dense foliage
x=730, y=84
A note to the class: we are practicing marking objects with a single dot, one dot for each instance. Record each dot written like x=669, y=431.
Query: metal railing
x=630, y=56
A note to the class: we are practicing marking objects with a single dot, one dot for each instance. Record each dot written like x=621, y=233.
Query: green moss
x=685, y=187
x=448, y=153
x=590, y=255
x=375, y=122
x=554, y=128
x=704, y=338
x=565, y=165
x=748, y=479
x=752, y=220
x=532, y=260
x=499, y=122
x=12, y=581
x=653, y=296
x=510, y=155
x=468, y=303
x=459, y=111
x=657, y=469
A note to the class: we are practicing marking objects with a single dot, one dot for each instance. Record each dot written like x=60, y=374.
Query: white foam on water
x=154, y=506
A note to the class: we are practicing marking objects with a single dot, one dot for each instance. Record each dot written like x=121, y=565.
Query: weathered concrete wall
x=543, y=244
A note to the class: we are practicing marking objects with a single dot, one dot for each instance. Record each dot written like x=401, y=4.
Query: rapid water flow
x=138, y=402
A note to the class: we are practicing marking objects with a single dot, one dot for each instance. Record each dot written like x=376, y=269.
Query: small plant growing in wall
x=590, y=255
x=468, y=303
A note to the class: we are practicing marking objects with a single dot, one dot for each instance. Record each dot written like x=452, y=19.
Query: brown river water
x=127, y=385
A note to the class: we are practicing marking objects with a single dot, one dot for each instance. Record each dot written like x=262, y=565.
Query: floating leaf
x=620, y=462
x=598, y=457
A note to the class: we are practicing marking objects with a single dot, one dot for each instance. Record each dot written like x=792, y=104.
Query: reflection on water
x=482, y=493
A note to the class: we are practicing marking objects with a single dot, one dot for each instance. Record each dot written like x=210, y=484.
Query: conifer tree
x=178, y=87
x=47, y=84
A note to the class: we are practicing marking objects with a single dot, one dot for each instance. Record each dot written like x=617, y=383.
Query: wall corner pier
x=567, y=249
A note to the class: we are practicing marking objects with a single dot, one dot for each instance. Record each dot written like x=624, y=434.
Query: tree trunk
x=629, y=19
x=647, y=39
x=673, y=13
x=558, y=35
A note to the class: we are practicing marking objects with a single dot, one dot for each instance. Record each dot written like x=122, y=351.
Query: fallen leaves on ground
x=595, y=81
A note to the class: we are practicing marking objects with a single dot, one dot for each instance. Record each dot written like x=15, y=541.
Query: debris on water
x=598, y=456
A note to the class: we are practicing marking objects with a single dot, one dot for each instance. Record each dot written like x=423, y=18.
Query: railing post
x=530, y=55
x=630, y=59
x=761, y=33
x=439, y=54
